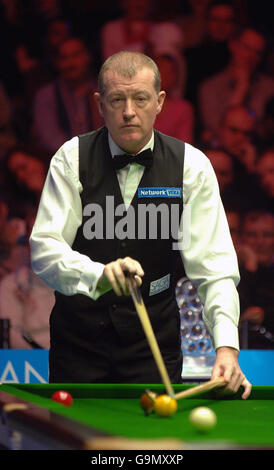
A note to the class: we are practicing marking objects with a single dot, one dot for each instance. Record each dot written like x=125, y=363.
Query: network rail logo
x=159, y=192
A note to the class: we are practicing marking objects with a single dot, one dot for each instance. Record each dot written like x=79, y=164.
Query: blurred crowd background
x=216, y=59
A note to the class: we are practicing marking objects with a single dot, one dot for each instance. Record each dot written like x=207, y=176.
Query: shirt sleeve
x=209, y=256
x=58, y=219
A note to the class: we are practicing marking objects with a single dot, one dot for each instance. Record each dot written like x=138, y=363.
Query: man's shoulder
x=72, y=145
x=94, y=133
x=180, y=143
x=168, y=139
x=195, y=156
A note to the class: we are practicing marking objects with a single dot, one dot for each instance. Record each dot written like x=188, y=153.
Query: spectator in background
x=57, y=31
x=223, y=167
x=165, y=38
x=6, y=263
x=194, y=23
x=33, y=75
x=12, y=253
x=130, y=32
x=265, y=133
x=234, y=221
x=10, y=31
x=239, y=84
x=265, y=172
x=46, y=10
x=12, y=229
x=235, y=135
x=65, y=108
x=33, y=72
x=233, y=192
x=7, y=132
x=256, y=285
x=177, y=116
x=212, y=54
x=27, y=302
x=258, y=233
x=24, y=176
x=236, y=138
x=28, y=172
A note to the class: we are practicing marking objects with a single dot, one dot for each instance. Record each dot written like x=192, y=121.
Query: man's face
x=129, y=107
x=248, y=50
x=221, y=23
x=259, y=235
x=28, y=171
x=265, y=170
x=223, y=167
x=236, y=131
x=73, y=60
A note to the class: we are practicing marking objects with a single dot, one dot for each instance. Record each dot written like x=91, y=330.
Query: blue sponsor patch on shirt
x=159, y=192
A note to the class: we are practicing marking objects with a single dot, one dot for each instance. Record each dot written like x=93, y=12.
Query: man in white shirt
x=83, y=173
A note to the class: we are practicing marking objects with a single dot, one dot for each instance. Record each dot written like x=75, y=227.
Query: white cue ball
x=203, y=419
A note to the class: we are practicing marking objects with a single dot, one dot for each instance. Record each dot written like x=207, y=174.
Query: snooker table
x=109, y=416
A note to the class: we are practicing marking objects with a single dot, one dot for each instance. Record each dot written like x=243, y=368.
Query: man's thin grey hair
x=127, y=64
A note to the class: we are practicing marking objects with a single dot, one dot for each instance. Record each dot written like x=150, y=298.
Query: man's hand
x=114, y=274
x=227, y=365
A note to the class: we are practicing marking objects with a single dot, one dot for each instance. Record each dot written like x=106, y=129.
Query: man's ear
x=161, y=99
x=98, y=101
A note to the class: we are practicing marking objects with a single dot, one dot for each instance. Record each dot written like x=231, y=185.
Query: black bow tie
x=144, y=158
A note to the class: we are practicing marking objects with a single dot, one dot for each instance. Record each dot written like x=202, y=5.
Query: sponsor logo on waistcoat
x=159, y=192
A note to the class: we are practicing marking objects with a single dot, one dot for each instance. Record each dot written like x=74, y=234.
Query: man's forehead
x=114, y=80
x=263, y=222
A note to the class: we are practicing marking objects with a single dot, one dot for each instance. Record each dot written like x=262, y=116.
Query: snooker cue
x=145, y=321
x=211, y=384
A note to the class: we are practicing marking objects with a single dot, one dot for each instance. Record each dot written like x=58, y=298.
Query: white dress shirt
x=209, y=259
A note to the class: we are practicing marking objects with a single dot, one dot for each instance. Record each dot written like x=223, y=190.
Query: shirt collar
x=116, y=150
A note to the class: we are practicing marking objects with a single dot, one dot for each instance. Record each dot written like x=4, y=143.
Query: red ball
x=61, y=396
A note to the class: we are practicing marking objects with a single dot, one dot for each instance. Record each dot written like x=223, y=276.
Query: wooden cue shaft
x=211, y=384
x=145, y=321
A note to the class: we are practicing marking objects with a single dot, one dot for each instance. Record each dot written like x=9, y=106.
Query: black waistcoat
x=80, y=315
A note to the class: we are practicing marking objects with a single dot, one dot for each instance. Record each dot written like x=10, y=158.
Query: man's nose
x=129, y=110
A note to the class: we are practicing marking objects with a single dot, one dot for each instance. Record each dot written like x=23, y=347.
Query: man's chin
x=130, y=139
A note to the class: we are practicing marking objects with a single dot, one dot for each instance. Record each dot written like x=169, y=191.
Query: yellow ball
x=203, y=419
x=164, y=405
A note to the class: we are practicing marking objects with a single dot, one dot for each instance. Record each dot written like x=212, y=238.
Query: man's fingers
x=234, y=378
x=109, y=273
x=115, y=274
x=132, y=266
x=138, y=279
x=227, y=365
x=235, y=381
x=247, y=388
